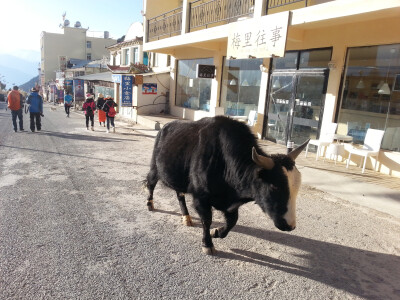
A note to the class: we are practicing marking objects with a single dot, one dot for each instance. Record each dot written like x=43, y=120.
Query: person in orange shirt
x=15, y=104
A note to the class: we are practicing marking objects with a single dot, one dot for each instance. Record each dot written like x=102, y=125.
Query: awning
x=104, y=76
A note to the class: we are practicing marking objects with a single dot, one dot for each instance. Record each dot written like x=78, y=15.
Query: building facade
x=75, y=43
x=341, y=64
x=146, y=74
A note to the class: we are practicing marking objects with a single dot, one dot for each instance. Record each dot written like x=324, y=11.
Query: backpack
x=89, y=110
x=109, y=109
x=15, y=102
x=112, y=112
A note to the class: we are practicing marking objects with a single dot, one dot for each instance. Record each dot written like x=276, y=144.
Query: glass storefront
x=192, y=92
x=297, y=94
x=371, y=94
x=240, y=90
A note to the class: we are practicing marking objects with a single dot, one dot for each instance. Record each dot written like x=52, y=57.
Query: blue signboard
x=126, y=89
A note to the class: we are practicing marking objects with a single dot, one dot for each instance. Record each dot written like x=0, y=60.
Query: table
x=343, y=138
x=335, y=149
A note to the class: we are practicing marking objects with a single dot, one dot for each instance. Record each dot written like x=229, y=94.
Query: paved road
x=74, y=225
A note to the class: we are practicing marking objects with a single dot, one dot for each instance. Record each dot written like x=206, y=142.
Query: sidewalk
x=371, y=189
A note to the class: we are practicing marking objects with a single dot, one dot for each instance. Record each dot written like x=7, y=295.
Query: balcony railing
x=214, y=13
x=279, y=3
x=218, y=11
x=165, y=25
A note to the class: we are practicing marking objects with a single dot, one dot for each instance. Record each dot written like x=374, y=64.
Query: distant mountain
x=30, y=84
x=16, y=70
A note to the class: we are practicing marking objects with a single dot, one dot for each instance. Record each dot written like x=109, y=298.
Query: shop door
x=296, y=101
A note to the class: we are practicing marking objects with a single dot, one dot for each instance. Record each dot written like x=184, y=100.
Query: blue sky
x=22, y=21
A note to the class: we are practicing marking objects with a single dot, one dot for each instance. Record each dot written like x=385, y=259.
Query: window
x=135, y=55
x=88, y=44
x=240, y=90
x=304, y=59
x=126, y=56
x=145, y=58
x=89, y=56
x=192, y=92
x=371, y=94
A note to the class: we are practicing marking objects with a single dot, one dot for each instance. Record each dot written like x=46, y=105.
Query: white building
x=75, y=42
x=127, y=58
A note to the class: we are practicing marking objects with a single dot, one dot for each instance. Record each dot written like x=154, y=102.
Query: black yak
x=219, y=162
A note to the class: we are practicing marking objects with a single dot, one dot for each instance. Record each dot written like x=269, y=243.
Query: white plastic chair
x=371, y=147
x=324, y=140
x=252, y=118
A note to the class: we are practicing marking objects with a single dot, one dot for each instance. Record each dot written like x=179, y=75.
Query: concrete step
x=150, y=123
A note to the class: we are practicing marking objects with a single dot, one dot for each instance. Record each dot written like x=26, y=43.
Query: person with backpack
x=15, y=104
x=89, y=107
x=101, y=113
x=35, y=102
x=67, y=103
x=109, y=108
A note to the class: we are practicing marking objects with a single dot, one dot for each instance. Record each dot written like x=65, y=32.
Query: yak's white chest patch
x=294, y=180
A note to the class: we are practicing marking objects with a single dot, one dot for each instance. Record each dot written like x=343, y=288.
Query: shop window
x=303, y=59
x=192, y=92
x=314, y=58
x=371, y=94
x=240, y=90
x=289, y=61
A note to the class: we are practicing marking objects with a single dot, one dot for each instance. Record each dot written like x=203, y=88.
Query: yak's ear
x=262, y=161
x=293, y=155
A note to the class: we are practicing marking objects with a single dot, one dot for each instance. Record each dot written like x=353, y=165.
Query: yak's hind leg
x=186, y=219
x=230, y=219
x=150, y=184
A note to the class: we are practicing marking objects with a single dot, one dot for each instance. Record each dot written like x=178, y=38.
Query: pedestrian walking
x=101, y=112
x=109, y=108
x=89, y=107
x=14, y=100
x=35, y=102
x=67, y=103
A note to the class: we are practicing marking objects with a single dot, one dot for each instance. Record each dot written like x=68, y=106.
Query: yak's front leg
x=186, y=219
x=205, y=214
x=230, y=219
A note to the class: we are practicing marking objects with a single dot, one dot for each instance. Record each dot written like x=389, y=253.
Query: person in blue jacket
x=35, y=102
x=67, y=103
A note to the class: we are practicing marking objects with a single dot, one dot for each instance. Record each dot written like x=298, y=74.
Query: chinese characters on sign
x=205, y=71
x=259, y=38
x=62, y=63
x=126, y=89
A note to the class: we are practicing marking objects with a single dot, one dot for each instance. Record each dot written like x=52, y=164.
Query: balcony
x=203, y=15
x=166, y=25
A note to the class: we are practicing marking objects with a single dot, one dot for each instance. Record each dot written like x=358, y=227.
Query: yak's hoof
x=209, y=250
x=215, y=232
x=150, y=205
x=187, y=220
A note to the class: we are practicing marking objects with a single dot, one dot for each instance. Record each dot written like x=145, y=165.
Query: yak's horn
x=263, y=161
x=293, y=155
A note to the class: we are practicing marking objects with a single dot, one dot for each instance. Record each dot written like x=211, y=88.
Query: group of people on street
x=16, y=106
x=105, y=107
x=106, y=111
